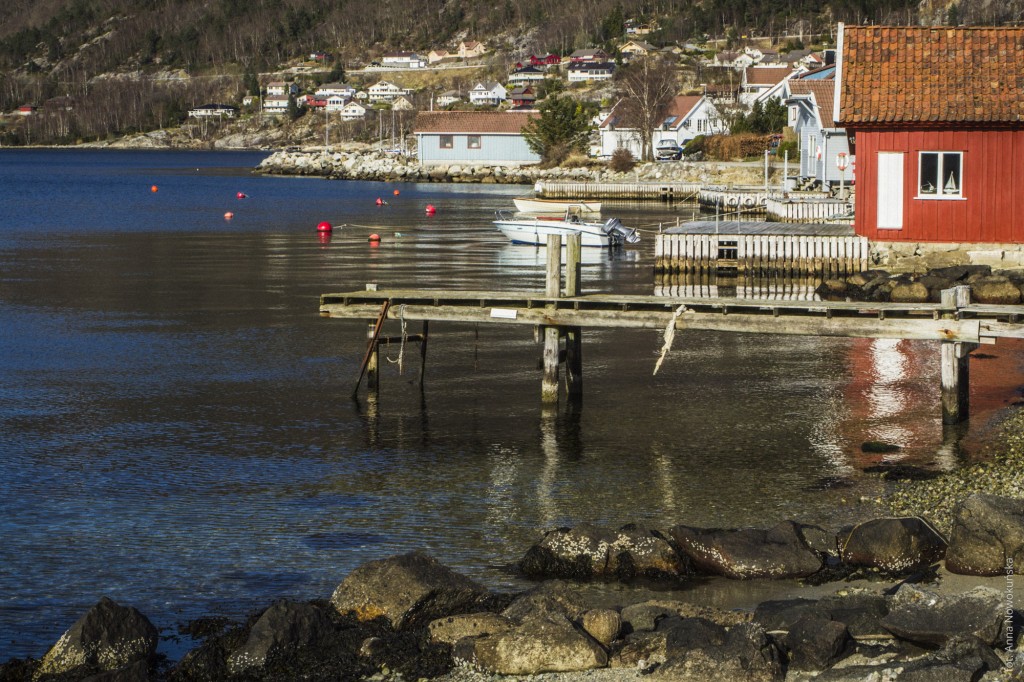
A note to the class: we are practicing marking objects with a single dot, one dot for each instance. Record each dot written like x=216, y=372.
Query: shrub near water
x=622, y=160
x=736, y=147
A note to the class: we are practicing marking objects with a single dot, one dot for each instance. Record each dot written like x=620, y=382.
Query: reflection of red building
x=892, y=395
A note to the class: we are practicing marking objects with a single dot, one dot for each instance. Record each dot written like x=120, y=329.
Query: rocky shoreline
x=367, y=164
x=886, y=599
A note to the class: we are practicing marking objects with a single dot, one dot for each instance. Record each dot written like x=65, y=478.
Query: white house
x=403, y=60
x=764, y=82
x=213, y=111
x=591, y=71
x=336, y=103
x=385, y=91
x=331, y=89
x=491, y=94
x=278, y=88
x=435, y=56
x=473, y=137
x=736, y=60
x=526, y=74
x=686, y=117
x=353, y=111
x=636, y=48
x=275, y=104
x=448, y=98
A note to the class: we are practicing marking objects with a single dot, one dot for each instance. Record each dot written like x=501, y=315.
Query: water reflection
x=710, y=285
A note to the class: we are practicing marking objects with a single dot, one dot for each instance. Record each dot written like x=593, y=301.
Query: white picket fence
x=824, y=256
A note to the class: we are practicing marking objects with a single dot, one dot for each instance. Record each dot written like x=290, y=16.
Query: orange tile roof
x=471, y=121
x=932, y=75
x=823, y=96
x=767, y=75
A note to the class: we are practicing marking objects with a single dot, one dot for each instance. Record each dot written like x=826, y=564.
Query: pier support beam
x=573, y=335
x=553, y=289
x=955, y=364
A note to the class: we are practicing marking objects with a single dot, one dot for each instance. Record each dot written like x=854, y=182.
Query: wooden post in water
x=955, y=367
x=573, y=335
x=373, y=364
x=553, y=289
x=423, y=351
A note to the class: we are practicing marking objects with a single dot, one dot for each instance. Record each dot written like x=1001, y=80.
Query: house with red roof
x=685, y=117
x=936, y=117
x=473, y=137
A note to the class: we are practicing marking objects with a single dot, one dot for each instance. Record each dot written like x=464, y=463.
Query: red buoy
x=324, y=227
x=374, y=237
x=154, y=188
x=229, y=215
x=431, y=210
x=242, y=195
x=396, y=192
x=380, y=202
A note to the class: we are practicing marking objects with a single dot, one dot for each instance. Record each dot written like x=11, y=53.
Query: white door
x=890, y=191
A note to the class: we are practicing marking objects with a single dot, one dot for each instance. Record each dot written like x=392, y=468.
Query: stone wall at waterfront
x=375, y=165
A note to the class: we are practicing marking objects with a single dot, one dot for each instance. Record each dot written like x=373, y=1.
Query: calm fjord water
x=176, y=432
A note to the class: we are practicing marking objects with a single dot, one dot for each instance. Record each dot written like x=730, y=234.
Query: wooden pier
x=809, y=210
x=761, y=249
x=562, y=313
x=668, y=191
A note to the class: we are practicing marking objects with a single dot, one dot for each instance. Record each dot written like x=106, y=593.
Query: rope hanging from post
x=670, y=335
x=401, y=348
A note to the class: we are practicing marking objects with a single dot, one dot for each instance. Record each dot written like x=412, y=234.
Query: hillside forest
x=112, y=67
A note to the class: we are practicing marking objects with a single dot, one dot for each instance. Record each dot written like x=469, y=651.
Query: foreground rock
x=987, y=536
x=108, y=637
x=589, y=551
x=407, y=590
x=927, y=618
x=284, y=627
x=779, y=552
x=895, y=546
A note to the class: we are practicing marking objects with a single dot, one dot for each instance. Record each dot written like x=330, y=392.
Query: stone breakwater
x=364, y=165
x=411, y=617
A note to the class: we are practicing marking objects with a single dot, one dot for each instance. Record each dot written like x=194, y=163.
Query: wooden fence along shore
x=562, y=312
x=673, y=191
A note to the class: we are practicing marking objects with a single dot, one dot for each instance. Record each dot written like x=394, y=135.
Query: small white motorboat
x=554, y=206
x=535, y=230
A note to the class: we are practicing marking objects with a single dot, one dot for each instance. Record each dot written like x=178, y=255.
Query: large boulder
x=995, y=290
x=108, y=637
x=408, y=590
x=961, y=660
x=546, y=643
x=697, y=649
x=987, y=536
x=909, y=292
x=644, y=616
x=817, y=643
x=893, y=545
x=931, y=619
x=453, y=628
x=778, y=552
x=588, y=551
x=284, y=627
x=860, y=612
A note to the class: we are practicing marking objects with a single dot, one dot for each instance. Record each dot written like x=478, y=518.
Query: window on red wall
x=940, y=175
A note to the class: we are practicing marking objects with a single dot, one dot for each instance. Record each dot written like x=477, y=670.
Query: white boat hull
x=554, y=206
x=537, y=232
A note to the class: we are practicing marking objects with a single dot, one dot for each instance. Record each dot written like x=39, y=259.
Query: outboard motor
x=619, y=232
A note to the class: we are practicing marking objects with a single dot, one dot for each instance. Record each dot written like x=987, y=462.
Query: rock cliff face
x=375, y=165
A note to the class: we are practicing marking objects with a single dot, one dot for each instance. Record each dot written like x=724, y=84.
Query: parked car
x=668, y=150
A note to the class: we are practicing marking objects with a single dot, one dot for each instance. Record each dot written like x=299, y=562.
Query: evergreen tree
x=563, y=126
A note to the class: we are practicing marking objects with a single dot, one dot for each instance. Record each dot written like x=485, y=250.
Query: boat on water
x=554, y=206
x=535, y=229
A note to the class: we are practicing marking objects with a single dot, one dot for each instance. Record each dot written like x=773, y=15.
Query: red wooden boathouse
x=936, y=119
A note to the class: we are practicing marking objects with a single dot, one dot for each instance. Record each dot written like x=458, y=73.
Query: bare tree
x=646, y=87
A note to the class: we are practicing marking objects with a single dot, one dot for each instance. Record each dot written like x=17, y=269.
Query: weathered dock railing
x=791, y=255
x=749, y=200
x=670, y=191
x=808, y=211
x=955, y=323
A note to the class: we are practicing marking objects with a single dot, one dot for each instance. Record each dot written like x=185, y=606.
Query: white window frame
x=940, y=194
x=470, y=139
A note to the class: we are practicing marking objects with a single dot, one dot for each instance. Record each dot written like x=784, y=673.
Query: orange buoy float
x=380, y=202
x=229, y=215
x=154, y=188
x=431, y=210
x=324, y=227
x=396, y=192
x=242, y=195
x=374, y=238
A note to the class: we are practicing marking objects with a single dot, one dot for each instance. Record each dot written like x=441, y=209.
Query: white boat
x=535, y=230
x=554, y=206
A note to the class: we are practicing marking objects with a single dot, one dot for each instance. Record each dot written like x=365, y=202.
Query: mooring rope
x=401, y=348
x=670, y=335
